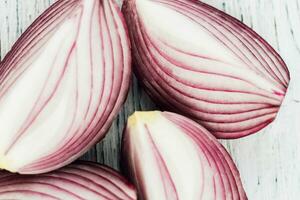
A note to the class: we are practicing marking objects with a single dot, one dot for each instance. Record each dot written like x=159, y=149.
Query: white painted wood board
x=269, y=162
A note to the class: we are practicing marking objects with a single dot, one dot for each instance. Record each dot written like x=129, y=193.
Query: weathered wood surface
x=269, y=162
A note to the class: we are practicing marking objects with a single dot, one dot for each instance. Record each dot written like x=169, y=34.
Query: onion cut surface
x=62, y=84
x=170, y=157
x=200, y=62
x=79, y=181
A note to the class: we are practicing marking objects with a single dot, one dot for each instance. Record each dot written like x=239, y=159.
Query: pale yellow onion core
x=4, y=164
x=145, y=117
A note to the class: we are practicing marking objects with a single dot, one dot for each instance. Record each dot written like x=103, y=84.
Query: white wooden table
x=269, y=162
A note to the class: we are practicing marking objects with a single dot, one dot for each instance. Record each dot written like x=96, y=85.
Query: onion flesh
x=62, y=84
x=170, y=157
x=200, y=62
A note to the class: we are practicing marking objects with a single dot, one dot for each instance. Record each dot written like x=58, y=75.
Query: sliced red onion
x=170, y=157
x=62, y=84
x=200, y=62
x=83, y=180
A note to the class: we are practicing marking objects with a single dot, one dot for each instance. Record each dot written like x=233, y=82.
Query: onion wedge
x=170, y=157
x=200, y=62
x=62, y=84
x=82, y=180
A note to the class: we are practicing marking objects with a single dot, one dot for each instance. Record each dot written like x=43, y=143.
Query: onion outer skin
x=62, y=84
x=170, y=157
x=200, y=62
x=80, y=180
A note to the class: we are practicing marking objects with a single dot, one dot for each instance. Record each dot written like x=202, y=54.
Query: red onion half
x=200, y=62
x=62, y=84
x=80, y=181
x=170, y=157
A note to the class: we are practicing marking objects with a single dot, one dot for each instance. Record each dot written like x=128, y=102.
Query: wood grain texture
x=269, y=162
